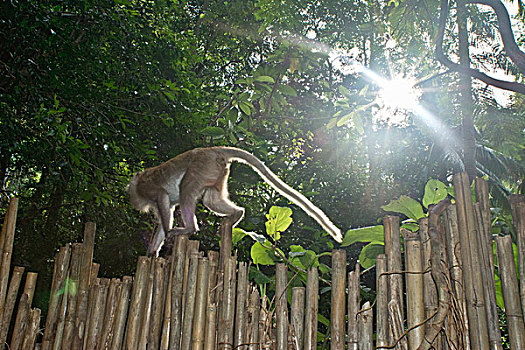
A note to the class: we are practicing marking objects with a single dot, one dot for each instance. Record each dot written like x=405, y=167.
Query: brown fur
x=203, y=173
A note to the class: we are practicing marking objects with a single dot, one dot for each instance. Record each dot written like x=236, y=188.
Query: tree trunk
x=465, y=82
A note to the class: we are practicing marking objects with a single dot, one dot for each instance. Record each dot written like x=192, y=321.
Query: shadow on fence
x=442, y=296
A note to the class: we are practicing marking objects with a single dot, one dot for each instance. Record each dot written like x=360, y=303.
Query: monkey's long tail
x=285, y=190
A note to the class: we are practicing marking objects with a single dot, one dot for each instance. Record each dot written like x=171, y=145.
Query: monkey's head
x=137, y=201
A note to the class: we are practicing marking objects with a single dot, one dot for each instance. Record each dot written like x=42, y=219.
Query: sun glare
x=398, y=94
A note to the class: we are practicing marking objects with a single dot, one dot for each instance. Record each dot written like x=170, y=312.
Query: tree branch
x=505, y=29
x=444, y=60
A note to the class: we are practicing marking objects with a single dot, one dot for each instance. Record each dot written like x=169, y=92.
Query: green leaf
x=170, y=96
x=237, y=235
x=302, y=258
x=407, y=206
x=265, y=79
x=411, y=226
x=256, y=237
x=287, y=90
x=363, y=234
x=279, y=219
x=344, y=91
x=344, y=119
x=258, y=276
x=246, y=107
x=358, y=124
x=368, y=255
x=435, y=191
x=213, y=131
x=261, y=255
x=331, y=123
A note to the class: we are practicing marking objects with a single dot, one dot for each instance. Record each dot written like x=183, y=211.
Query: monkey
x=202, y=173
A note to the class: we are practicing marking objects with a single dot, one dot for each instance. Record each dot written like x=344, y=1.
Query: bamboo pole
x=100, y=296
x=166, y=322
x=94, y=281
x=254, y=310
x=366, y=327
x=30, y=336
x=226, y=243
x=482, y=196
x=67, y=299
x=394, y=263
x=338, y=299
x=159, y=297
x=297, y=316
x=480, y=275
x=201, y=301
x=488, y=277
x=29, y=289
x=396, y=324
x=455, y=264
x=518, y=210
x=430, y=298
x=265, y=324
x=227, y=310
x=123, y=294
x=84, y=282
x=179, y=251
x=414, y=288
x=281, y=306
x=9, y=305
x=136, y=304
x=239, y=336
x=72, y=298
x=381, y=302
x=354, y=299
x=18, y=336
x=472, y=281
x=30, y=285
x=211, y=309
x=192, y=247
x=110, y=313
x=210, y=340
x=310, y=321
x=146, y=309
x=511, y=297
x=189, y=302
x=57, y=285
x=7, y=237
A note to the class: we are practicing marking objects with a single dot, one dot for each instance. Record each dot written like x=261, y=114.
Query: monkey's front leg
x=165, y=217
x=156, y=242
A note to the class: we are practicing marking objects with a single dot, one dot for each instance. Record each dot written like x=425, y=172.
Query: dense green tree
x=92, y=91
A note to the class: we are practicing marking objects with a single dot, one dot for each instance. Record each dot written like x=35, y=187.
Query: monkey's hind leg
x=220, y=204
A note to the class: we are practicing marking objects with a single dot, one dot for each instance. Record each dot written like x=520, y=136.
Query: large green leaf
x=407, y=206
x=237, y=235
x=363, y=234
x=302, y=258
x=368, y=255
x=279, y=219
x=435, y=191
x=262, y=255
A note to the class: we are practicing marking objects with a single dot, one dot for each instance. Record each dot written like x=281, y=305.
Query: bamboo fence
x=435, y=289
